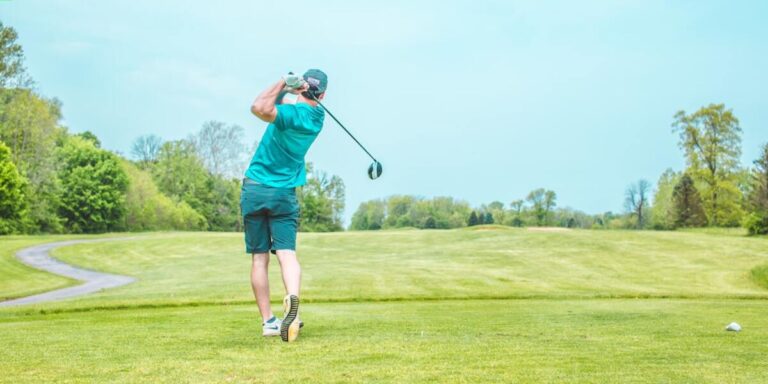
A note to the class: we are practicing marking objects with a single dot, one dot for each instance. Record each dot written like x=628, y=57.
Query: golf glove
x=293, y=81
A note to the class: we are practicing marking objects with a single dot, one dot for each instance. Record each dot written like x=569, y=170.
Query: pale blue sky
x=480, y=100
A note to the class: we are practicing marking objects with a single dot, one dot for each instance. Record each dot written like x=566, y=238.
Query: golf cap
x=317, y=79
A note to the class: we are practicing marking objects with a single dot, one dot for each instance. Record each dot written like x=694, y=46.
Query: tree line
x=538, y=208
x=54, y=181
x=713, y=190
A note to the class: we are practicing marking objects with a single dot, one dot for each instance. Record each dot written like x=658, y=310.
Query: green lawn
x=495, y=305
x=16, y=279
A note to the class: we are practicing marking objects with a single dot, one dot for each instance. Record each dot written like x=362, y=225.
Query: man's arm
x=264, y=105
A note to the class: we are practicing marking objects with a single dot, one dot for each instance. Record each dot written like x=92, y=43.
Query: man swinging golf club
x=268, y=202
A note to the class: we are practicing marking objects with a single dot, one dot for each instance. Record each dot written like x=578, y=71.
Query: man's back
x=279, y=160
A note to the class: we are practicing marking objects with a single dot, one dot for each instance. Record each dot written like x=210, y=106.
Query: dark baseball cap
x=317, y=79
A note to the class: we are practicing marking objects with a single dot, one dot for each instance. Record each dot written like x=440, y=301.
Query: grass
x=760, y=275
x=491, y=305
x=462, y=264
x=19, y=280
x=16, y=279
x=620, y=340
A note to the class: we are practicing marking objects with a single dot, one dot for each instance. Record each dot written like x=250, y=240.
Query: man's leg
x=258, y=242
x=284, y=223
x=260, y=284
x=291, y=271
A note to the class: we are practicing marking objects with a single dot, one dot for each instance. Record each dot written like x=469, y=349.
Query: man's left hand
x=294, y=81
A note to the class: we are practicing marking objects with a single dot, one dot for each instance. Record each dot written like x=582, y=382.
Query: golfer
x=268, y=201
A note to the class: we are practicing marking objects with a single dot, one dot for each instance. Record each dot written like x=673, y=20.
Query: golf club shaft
x=343, y=127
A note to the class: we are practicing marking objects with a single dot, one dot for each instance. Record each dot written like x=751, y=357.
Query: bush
x=756, y=223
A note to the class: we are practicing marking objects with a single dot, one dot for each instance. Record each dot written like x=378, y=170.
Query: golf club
x=375, y=169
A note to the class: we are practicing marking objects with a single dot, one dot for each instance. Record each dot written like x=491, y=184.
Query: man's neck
x=302, y=99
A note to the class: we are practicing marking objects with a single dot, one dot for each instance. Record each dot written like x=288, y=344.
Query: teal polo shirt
x=279, y=160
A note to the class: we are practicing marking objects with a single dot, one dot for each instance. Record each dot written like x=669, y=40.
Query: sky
x=479, y=100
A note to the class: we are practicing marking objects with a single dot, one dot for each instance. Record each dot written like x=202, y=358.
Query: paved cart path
x=38, y=257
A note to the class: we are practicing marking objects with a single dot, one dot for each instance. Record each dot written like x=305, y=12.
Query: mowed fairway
x=487, y=305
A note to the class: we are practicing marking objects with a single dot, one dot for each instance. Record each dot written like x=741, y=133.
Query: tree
x=321, y=201
x=399, y=211
x=758, y=196
x=94, y=185
x=447, y=212
x=149, y=210
x=12, y=71
x=542, y=203
x=13, y=203
x=369, y=216
x=222, y=204
x=145, y=149
x=637, y=203
x=89, y=136
x=497, y=211
x=571, y=218
x=29, y=125
x=179, y=173
x=757, y=222
x=517, y=213
x=221, y=148
x=687, y=205
x=488, y=218
x=609, y=220
x=473, y=220
x=661, y=212
x=711, y=139
x=441, y=212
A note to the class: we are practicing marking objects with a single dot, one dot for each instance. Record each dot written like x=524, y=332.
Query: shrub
x=756, y=223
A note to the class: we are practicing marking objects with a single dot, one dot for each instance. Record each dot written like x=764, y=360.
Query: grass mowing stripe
x=33, y=310
x=177, y=269
x=401, y=265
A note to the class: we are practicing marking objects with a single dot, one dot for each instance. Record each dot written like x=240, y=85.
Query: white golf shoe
x=271, y=327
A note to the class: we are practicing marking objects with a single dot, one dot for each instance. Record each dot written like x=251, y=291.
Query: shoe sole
x=289, y=329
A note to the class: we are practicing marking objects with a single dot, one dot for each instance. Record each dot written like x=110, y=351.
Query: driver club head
x=375, y=170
